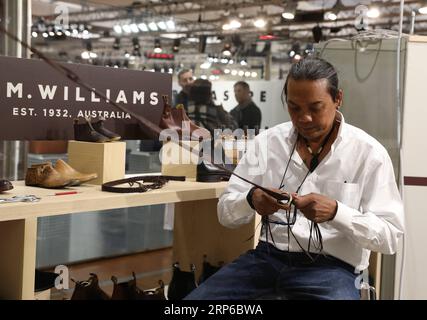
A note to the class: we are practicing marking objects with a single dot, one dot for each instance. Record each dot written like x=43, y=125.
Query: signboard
x=39, y=103
x=265, y=94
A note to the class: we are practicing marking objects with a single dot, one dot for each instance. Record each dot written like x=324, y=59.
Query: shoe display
x=73, y=175
x=89, y=290
x=182, y=282
x=99, y=127
x=5, y=185
x=46, y=176
x=206, y=172
x=129, y=291
x=208, y=269
x=181, y=119
x=86, y=132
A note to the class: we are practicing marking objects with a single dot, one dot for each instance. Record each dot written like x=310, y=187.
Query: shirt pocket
x=346, y=193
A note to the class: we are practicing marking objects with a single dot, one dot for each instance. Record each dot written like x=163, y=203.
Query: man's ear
x=339, y=98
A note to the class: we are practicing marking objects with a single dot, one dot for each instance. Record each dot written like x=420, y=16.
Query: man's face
x=186, y=80
x=311, y=107
x=241, y=94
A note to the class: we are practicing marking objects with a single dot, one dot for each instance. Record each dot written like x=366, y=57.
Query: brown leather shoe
x=85, y=132
x=73, y=175
x=45, y=176
x=181, y=119
x=167, y=121
x=89, y=290
x=99, y=127
x=5, y=185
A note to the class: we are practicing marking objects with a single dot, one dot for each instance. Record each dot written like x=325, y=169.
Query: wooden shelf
x=91, y=198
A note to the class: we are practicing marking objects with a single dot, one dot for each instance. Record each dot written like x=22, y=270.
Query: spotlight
x=157, y=46
x=116, y=45
x=289, y=10
x=423, y=8
x=176, y=44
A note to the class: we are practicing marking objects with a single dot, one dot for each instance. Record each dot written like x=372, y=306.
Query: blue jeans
x=269, y=273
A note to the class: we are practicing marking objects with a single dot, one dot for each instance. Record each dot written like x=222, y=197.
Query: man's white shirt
x=357, y=173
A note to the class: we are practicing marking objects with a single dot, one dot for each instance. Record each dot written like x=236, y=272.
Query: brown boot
x=45, y=176
x=181, y=119
x=89, y=290
x=70, y=173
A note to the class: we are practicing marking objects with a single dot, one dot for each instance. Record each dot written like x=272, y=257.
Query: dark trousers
x=269, y=273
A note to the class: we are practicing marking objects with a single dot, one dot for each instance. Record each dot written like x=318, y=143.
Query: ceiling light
x=143, y=27
x=45, y=35
x=234, y=72
x=212, y=77
x=289, y=10
x=373, y=13
x=254, y=74
x=227, y=71
x=204, y=77
x=153, y=26
x=85, y=55
x=241, y=73
x=423, y=8
x=34, y=34
x=247, y=74
x=157, y=46
x=117, y=29
x=243, y=62
x=260, y=22
x=331, y=16
x=126, y=28
x=170, y=24
x=205, y=65
x=134, y=28
x=162, y=25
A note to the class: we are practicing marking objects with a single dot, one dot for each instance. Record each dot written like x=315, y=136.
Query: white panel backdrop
x=266, y=95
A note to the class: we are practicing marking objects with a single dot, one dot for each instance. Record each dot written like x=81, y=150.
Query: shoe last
x=70, y=173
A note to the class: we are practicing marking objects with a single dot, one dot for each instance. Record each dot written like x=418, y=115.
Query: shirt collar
x=341, y=132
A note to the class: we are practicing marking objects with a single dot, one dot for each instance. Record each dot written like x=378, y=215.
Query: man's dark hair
x=313, y=69
x=201, y=91
x=182, y=72
x=243, y=84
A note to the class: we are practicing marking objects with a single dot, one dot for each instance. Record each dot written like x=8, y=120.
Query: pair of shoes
x=182, y=283
x=5, y=185
x=129, y=291
x=59, y=176
x=89, y=290
x=209, y=269
x=176, y=119
x=91, y=131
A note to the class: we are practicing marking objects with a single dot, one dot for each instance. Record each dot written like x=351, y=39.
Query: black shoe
x=85, y=132
x=44, y=280
x=5, y=185
x=206, y=172
x=182, y=283
x=99, y=127
x=208, y=270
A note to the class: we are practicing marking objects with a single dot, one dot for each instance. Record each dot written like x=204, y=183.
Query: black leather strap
x=249, y=197
x=154, y=182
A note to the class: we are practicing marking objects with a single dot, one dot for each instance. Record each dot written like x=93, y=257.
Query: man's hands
x=316, y=207
x=265, y=204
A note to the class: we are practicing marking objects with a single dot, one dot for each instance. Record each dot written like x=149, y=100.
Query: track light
x=157, y=46
x=289, y=10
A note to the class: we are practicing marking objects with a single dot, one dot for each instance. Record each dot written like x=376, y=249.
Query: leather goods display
x=93, y=131
x=208, y=269
x=182, y=283
x=151, y=129
x=59, y=176
x=176, y=119
x=144, y=183
x=89, y=290
x=129, y=291
x=5, y=185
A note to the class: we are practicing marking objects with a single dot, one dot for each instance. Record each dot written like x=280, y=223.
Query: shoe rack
x=197, y=230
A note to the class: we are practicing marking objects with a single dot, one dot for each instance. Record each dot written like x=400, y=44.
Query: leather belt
x=155, y=182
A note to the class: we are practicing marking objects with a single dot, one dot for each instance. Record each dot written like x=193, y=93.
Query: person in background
x=204, y=112
x=246, y=113
x=185, y=80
